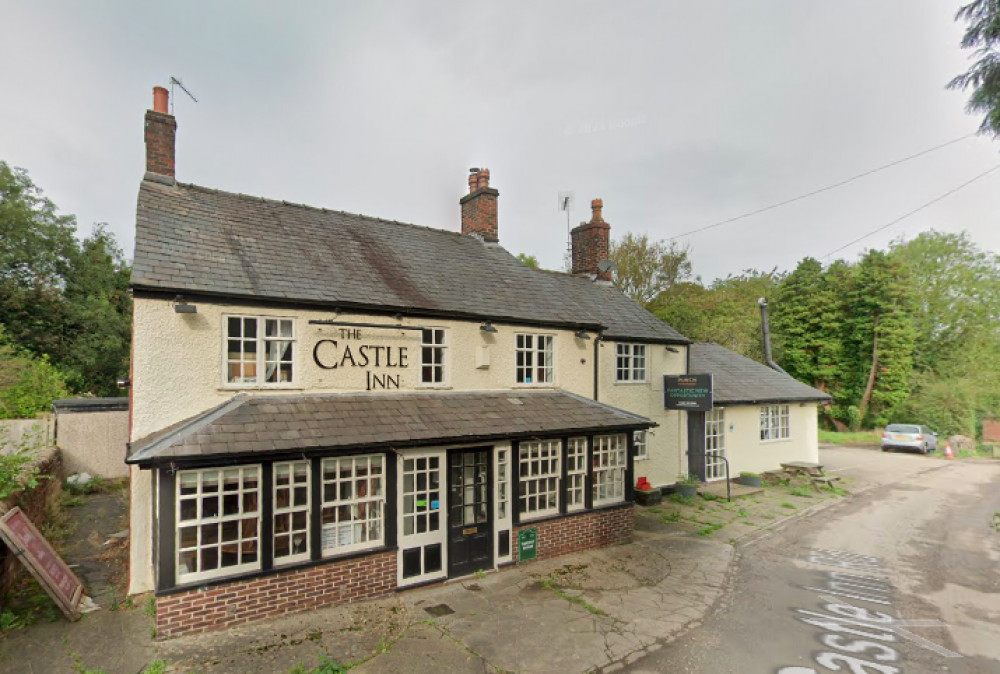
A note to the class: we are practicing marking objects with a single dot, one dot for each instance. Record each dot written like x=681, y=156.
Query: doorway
x=470, y=513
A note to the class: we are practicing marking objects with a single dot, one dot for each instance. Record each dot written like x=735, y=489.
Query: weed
x=803, y=492
x=683, y=500
x=672, y=516
x=788, y=505
x=149, y=608
x=10, y=621
x=384, y=646
x=710, y=529
x=996, y=521
x=573, y=599
x=156, y=667
x=152, y=632
x=325, y=666
x=711, y=497
x=743, y=512
x=70, y=501
x=80, y=668
x=838, y=491
x=480, y=574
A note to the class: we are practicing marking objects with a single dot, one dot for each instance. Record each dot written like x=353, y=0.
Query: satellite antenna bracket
x=176, y=81
x=606, y=266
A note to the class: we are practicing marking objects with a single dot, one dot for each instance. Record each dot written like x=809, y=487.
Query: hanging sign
x=691, y=392
x=41, y=560
x=527, y=545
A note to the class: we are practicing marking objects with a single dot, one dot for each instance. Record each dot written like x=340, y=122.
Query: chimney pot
x=160, y=136
x=596, y=206
x=161, y=99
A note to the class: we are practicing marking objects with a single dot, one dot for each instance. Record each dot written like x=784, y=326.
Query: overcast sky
x=678, y=114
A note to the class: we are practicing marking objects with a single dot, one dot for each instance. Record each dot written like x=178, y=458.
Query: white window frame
x=626, y=358
x=640, y=441
x=532, y=346
x=354, y=503
x=261, y=361
x=199, y=521
x=440, y=361
x=291, y=509
x=504, y=508
x=715, y=443
x=775, y=423
x=539, y=475
x=576, y=474
x=431, y=536
x=610, y=463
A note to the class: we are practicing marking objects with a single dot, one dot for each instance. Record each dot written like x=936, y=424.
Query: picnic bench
x=810, y=471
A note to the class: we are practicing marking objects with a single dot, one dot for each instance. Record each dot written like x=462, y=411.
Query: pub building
x=327, y=406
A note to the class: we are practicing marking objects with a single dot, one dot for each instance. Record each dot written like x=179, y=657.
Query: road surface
x=902, y=577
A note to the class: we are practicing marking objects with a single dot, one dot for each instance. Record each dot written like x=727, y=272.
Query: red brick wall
x=161, y=130
x=593, y=529
x=479, y=214
x=591, y=243
x=243, y=601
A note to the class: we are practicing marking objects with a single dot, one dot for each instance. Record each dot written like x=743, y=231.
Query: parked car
x=909, y=436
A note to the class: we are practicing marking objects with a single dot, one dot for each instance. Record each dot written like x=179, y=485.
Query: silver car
x=909, y=436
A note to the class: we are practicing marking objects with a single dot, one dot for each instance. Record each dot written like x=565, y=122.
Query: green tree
x=982, y=34
x=528, y=260
x=645, y=269
x=28, y=385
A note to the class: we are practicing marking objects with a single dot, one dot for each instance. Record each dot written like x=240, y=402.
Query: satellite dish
x=566, y=200
x=606, y=266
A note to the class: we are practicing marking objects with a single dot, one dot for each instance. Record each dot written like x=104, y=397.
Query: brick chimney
x=161, y=130
x=592, y=243
x=479, y=206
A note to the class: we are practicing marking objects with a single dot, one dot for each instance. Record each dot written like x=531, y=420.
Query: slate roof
x=740, y=380
x=257, y=425
x=199, y=240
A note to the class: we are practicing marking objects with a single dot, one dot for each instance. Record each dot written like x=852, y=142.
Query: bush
x=28, y=385
x=15, y=473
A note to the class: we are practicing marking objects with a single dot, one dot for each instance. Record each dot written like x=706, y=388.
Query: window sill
x=641, y=458
x=434, y=387
x=631, y=383
x=261, y=387
x=545, y=385
x=768, y=442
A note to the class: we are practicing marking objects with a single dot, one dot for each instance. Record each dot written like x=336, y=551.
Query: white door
x=422, y=519
x=715, y=444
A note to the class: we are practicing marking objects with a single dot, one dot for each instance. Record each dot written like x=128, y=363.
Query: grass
x=325, y=666
x=549, y=584
x=872, y=437
x=683, y=500
x=790, y=506
x=801, y=492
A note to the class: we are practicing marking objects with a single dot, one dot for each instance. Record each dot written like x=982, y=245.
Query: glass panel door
x=715, y=444
x=421, y=517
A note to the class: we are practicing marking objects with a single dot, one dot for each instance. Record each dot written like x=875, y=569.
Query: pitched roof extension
x=198, y=240
x=258, y=425
x=738, y=380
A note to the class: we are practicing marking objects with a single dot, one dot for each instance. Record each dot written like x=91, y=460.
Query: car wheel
x=924, y=450
x=885, y=449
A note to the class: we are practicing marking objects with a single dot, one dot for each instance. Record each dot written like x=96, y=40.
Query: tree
x=983, y=35
x=28, y=385
x=644, y=268
x=528, y=260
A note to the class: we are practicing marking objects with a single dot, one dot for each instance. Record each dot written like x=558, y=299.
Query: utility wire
x=915, y=210
x=822, y=189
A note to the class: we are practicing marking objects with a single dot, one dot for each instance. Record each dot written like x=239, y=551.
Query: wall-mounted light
x=182, y=307
x=581, y=334
x=123, y=383
x=672, y=349
x=488, y=327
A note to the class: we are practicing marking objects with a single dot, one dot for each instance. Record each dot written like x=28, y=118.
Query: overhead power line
x=914, y=211
x=822, y=189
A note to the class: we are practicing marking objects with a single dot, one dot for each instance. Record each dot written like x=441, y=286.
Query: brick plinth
x=243, y=601
x=593, y=529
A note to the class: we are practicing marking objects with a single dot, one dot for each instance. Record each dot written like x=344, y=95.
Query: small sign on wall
x=42, y=561
x=691, y=392
x=527, y=545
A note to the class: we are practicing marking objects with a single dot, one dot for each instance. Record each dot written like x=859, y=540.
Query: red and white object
x=947, y=451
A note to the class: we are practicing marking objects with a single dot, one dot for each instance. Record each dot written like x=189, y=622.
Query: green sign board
x=691, y=392
x=527, y=544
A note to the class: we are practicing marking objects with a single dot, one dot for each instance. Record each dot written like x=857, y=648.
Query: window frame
x=775, y=417
x=220, y=519
x=553, y=449
x=290, y=510
x=261, y=360
x=353, y=503
x=626, y=351
x=534, y=350
x=443, y=346
x=612, y=469
x=643, y=443
x=576, y=473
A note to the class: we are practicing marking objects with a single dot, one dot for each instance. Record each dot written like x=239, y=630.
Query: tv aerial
x=566, y=201
x=175, y=81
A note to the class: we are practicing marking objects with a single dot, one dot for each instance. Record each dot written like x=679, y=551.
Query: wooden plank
x=42, y=561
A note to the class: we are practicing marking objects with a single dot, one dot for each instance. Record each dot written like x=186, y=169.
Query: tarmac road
x=902, y=577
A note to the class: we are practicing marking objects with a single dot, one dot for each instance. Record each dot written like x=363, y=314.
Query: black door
x=470, y=518
x=696, y=444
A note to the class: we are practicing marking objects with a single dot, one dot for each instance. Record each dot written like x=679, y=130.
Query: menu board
x=41, y=560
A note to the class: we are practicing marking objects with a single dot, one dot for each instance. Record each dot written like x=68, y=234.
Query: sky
x=678, y=114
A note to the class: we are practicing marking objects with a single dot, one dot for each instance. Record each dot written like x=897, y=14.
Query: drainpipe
x=766, y=336
x=597, y=369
